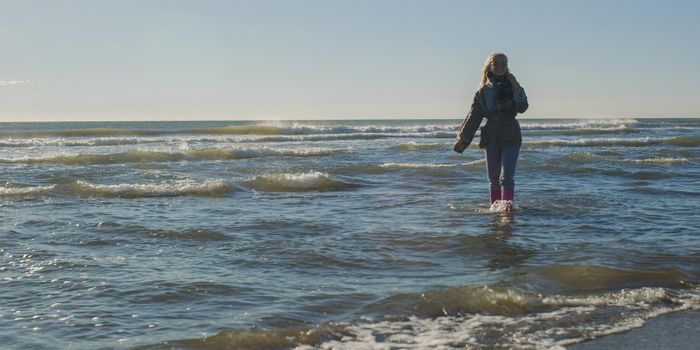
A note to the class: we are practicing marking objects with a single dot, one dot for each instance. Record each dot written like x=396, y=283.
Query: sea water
x=341, y=234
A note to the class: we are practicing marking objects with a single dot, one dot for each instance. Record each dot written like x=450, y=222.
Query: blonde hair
x=487, y=67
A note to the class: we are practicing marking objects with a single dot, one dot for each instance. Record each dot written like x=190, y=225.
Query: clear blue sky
x=126, y=60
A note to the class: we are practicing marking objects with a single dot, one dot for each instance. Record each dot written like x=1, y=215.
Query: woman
x=499, y=99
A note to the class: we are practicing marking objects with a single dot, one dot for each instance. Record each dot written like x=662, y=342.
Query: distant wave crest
x=580, y=124
x=594, y=142
x=87, y=132
x=224, y=153
x=684, y=141
x=662, y=161
x=251, y=129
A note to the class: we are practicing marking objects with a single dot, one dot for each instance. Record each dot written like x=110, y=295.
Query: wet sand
x=673, y=331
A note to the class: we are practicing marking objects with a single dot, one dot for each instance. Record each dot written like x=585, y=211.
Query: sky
x=329, y=59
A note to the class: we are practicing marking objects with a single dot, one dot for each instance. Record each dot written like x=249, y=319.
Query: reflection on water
x=502, y=225
x=497, y=246
x=506, y=254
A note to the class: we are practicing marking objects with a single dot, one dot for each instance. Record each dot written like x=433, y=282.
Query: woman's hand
x=460, y=145
x=514, y=82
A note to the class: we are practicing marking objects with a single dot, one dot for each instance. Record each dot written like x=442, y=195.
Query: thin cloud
x=13, y=82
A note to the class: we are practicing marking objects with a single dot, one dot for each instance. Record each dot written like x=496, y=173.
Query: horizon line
x=40, y=120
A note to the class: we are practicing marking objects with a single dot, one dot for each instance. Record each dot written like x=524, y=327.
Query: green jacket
x=502, y=128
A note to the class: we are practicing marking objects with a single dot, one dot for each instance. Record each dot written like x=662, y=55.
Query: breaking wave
x=414, y=146
x=661, y=161
x=400, y=166
x=252, y=129
x=300, y=129
x=87, y=132
x=600, y=124
x=580, y=131
x=685, y=141
x=173, y=189
x=243, y=138
x=10, y=191
x=484, y=316
x=297, y=182
x=226, y=153
x=529, y=322
x=104, y=141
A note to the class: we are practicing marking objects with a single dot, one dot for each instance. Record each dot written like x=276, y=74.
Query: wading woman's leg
x=493, y=168
x=509, y=157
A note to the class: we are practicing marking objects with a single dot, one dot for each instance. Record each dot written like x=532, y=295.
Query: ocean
x=363, y=234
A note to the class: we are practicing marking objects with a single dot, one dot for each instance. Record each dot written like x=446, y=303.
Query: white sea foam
x=102, y=141
x=275, y=128
x=666, y=161
x=573, y=319
x=597, y=142
x=499, y=206
x=215, y=138
x=22, y=191
x=288, y=136
x=583, y=124
x=258, y=152
x=178, y=188
x=683, y=141
x=416, y=165
x=402, y=166
x=503, y=206
x=475, y=162
x=349, y=137
x=275, y=131
x=415, y=146
x=183, y=153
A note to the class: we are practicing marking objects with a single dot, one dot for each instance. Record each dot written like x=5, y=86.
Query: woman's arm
x=520, y=101
x=519, y=97
x=469, y=125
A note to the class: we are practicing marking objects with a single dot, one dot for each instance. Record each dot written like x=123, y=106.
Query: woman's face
x=499, y=66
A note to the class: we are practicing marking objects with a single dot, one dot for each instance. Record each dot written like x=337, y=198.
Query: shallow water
x=341, y=234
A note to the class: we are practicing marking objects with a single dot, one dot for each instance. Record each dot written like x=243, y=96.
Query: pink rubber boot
x=508, y=194
x=495, y=195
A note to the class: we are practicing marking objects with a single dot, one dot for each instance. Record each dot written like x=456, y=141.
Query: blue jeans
x=501, y=158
